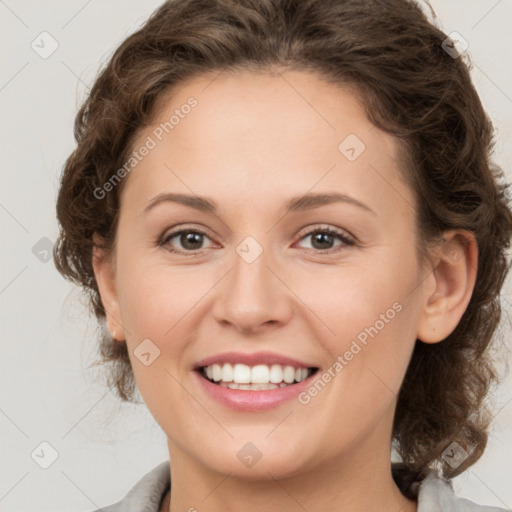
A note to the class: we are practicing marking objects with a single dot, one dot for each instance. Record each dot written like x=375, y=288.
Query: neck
x=341, y=483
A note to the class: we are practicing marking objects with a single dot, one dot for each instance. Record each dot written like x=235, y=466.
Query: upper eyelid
x=172, y=232
x=323, y=227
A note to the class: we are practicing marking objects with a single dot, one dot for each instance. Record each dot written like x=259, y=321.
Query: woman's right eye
x=189, y=239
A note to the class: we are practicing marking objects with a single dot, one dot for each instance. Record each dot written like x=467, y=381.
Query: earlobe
x=448, y=289
x=104, y=273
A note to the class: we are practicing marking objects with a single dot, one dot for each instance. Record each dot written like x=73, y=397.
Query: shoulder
x=146, y=495
x=436, y=494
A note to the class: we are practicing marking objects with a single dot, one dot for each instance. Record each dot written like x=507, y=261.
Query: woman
x=281, y=210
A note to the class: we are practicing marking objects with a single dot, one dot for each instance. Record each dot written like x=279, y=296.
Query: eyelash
x=342, y=236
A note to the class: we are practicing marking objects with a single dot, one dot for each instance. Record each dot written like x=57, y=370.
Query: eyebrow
x=300, y=203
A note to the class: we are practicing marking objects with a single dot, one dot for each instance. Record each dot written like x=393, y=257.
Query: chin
x=251, y=463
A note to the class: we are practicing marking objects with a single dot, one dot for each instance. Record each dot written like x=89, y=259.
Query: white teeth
x=241, y=376
x=260, y=374
x=289, y=374
x=276, y=373
x=227, y=373
x=253, y=387
x=217, y=373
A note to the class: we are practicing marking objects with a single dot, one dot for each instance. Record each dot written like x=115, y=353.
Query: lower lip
x=245, y=400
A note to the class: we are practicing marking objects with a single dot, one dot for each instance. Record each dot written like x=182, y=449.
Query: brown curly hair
x=392, y=56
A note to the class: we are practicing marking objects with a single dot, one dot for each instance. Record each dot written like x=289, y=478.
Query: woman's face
x=254, y=158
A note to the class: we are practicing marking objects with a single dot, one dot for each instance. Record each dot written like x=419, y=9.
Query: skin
x=253, y=142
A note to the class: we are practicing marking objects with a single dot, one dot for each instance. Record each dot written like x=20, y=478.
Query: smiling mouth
x=255, y=378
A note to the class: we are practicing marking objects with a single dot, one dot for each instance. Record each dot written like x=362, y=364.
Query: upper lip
x=252, y=359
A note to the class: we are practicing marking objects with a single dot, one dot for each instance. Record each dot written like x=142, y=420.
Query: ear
x=449, y=287
x=104, y=272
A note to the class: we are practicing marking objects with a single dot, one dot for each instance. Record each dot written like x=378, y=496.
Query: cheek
x=346, y=300
x=368, y=318
x=157, y=304
x=154, y=298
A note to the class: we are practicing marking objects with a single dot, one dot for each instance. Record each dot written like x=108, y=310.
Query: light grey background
x=48, y=338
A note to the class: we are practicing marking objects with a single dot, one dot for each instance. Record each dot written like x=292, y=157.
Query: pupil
x=191, y=238
x=322, y=238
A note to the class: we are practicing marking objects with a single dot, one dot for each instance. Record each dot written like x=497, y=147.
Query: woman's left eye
x=323, y=239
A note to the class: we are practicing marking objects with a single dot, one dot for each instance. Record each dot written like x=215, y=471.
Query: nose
x=253, y=296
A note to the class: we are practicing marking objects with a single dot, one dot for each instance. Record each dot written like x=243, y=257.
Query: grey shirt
x=434, y=495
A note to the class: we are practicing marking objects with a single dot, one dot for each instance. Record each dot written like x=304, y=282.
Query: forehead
x=276, y=104
x=262, y=131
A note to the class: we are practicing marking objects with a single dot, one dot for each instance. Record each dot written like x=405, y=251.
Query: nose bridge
x=251, y=294
x=250, y=267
